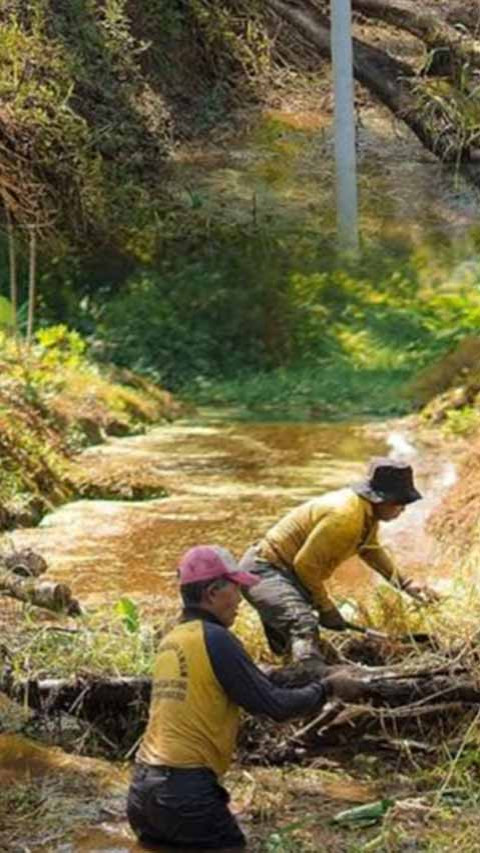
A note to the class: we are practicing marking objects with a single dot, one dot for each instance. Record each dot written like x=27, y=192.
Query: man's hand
x=348, y=688
x=333, y=619
x=421, y=592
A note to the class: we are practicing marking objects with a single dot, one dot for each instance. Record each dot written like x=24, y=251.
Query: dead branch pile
x=413, y=702
x=416, y=702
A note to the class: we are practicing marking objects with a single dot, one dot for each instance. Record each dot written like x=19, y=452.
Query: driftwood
x=393, y=82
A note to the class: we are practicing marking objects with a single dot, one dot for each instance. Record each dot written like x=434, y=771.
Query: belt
x=166, y=770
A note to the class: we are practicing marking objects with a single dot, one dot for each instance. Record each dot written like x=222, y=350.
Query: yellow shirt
x=192, y=722
x=315, y=537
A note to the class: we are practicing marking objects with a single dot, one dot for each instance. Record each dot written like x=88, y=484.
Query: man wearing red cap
x=300, y=553
x=202, y=675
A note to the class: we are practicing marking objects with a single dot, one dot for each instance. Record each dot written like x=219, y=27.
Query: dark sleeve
x=249, y=687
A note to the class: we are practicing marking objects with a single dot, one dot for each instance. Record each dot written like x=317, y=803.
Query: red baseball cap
x=209, y=562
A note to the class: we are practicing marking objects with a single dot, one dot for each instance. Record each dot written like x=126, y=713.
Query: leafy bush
x=276, y=322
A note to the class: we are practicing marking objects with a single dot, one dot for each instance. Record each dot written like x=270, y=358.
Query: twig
x=455, y=761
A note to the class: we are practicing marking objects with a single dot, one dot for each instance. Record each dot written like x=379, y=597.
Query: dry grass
x=456, y=522
x=457, y=368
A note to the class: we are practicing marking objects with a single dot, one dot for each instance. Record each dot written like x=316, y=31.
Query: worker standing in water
x=202, y=676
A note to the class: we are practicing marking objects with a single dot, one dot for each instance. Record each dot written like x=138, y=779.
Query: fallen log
x=394, y=711
x=48, y=594
x=394, y=83
x=426, y=24
x=26, y=563
x=84, y=696
x=87, y=695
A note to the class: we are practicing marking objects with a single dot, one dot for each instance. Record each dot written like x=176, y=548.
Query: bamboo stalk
x=32, y=282
x=12, y=267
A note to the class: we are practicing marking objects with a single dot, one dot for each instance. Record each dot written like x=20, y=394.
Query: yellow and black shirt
x=202, y=675
x=315, y=537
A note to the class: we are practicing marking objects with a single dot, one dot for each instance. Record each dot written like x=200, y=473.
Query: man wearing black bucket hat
x=301, y=551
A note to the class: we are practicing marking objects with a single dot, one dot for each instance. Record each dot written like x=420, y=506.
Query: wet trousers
x=181, y=807
x=289, y=617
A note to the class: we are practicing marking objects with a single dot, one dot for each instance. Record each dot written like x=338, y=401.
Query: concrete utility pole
x=345, y=155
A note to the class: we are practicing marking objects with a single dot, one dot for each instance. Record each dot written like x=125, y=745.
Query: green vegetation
x=261, y=313
x=95, y=96
x=53, y=401
x=102, y=643
x=276, y=323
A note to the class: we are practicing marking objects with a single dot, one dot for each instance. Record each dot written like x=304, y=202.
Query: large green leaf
x=364, y=815
x=6, y=312
x=128, y=612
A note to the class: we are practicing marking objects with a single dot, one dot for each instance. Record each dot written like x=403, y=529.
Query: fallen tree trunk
x=394, y=83
x=48, y=594
x=428, y=25
x=26, y=563
x=394, y=709
x=86, y=696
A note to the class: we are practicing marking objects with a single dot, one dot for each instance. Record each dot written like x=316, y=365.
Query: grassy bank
x=96, y=98
x=53, y=401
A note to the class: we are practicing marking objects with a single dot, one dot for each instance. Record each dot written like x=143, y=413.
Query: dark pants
x=181, y=807
x=285, y=606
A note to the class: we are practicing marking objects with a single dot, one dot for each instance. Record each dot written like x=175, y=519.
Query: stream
x=227, y=483
x=226, y=479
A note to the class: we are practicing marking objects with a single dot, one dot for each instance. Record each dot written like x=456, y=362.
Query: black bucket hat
x=388, y=480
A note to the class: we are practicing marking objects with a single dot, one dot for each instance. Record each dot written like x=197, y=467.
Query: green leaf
x=6, y=312
x=369, y=813
x=128, y=612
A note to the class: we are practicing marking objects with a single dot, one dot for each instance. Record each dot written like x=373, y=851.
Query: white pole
x=345, y=155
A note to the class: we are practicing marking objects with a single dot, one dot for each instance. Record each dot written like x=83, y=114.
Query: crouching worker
x=202, y=675
x=300, y=553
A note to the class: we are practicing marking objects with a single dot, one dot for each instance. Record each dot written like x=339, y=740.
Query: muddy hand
x=345, y=686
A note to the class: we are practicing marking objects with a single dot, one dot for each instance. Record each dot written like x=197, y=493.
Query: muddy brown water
x=227, y=482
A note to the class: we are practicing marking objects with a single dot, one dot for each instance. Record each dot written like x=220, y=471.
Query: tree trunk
x=12, y=264
x=427, y=25
x=393, y=82
x=48, y=594
x=88, y=697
